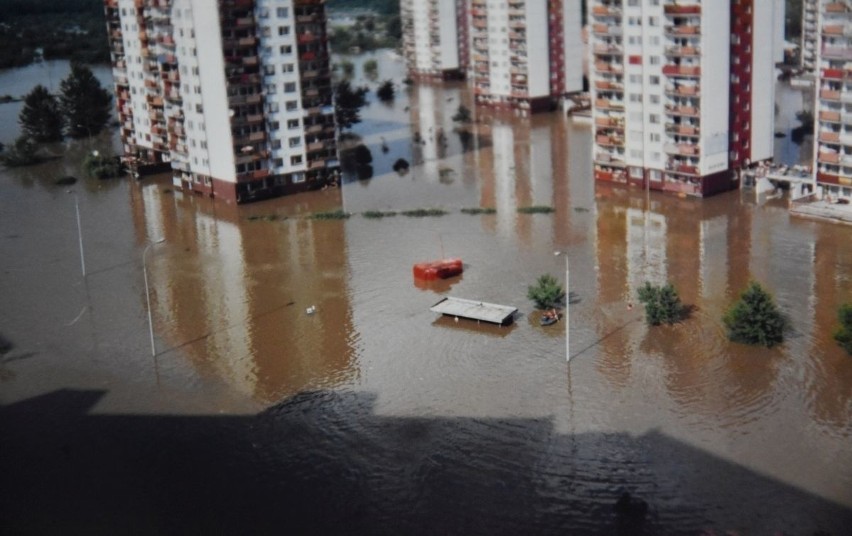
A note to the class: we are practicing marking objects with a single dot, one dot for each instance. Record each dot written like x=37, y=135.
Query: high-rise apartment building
x=434, y=34
x=833, y=109
x=234, y=95
x=683, y=91
x=810, y=34
x=525, y=54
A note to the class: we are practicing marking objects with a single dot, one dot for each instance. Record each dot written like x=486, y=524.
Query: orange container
x=442, y=269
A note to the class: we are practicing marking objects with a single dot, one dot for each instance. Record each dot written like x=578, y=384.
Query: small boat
x=549, y=317
x=441, y=269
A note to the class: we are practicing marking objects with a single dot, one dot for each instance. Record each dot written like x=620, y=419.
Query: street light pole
x=567, y=306
x=148, y=293
x=79, y=231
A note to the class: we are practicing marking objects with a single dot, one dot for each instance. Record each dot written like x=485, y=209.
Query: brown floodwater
x=417, y=416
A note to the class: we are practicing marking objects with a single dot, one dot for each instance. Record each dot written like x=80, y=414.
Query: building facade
x=233, y=95
x=833, y=108
x=434, y=35
x=525, y=54
x=683, y=91
x=810, y=35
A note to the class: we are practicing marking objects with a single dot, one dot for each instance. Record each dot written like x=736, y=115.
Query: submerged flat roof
x=475, y=310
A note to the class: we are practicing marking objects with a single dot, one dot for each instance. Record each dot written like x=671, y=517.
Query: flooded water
x=372, y=415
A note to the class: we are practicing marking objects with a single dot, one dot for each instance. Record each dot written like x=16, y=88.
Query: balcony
x=682, y=149
x=685, y=51
x=682, y=130
x=682, y=10
x=607, y=104
x=683, y=30
x=828, y=158
x=609, y=141
x=605, y=85
x=688, y=111
x=681, y=70
x=829, y=117
x=828, y=136
x=829, y=94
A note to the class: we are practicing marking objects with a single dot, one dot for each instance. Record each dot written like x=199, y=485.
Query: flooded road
x=372, y=415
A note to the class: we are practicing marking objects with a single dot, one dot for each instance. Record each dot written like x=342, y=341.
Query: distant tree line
x=382, y=7
x=62, y=29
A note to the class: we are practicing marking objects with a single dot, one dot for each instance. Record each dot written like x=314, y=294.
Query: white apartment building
x=434, y=34
x=233, y=95
x=525, y=54
x=683, y=91
x=833, y=108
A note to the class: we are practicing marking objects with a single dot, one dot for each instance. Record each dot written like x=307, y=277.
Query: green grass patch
x=377, y=214
x=535, y=209
x=331, y=215
x=479, y=210
x=424, y=212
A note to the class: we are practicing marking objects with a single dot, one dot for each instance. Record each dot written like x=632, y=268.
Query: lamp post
x=79, y=231
x=148, y=293
x=567, y=306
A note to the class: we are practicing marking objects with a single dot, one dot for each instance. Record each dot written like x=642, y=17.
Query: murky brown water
x=712, y=434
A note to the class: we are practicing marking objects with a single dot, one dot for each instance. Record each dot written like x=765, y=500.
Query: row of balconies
x=682, y=9
x=610, y=158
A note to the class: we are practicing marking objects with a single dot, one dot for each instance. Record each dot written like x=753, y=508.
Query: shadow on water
x=324, y=463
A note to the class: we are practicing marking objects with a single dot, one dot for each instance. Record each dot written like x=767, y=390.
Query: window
x=654, y=60
x=635, y=97
x=295, y=142
x=286, y=49
x=274, y=125
x=298, y=177
x=655, y=99
x=199, y=109
x=268, y=70
x=655, y=137
x=287, y=68
x=272, y=107
x=654, y=80
x=270, y=89
x=283, y=13
x=283, y=30
x=292, y=106
x=276, y=144
x=292, y=123
x=289, y=87
x=654, y=119
x=296, y=160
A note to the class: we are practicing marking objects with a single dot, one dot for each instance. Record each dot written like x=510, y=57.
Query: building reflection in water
x=230, y=293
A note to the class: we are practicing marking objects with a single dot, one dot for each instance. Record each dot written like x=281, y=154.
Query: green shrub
x=377, y=214
x=662, y=304
x=536, y=209
x=546, y=293
x=479, y=210
x=102, y=166
x=423, y=212
x=843, y=335
x=755, y=319
x=21, y=153
x=331, y=215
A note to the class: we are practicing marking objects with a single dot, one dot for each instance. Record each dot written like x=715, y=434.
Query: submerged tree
x=102, y=166
x=386, y=92
x=662, y=304
x=348, y=103
x=546, y=293
x=41, y=118
x=755, y=319
x=843, y=335
x=462, y=114
x=21, y=153
x=87, y=105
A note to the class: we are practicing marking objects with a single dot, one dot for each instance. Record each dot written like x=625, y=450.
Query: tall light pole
x=567, y=306
x=79, y=231
x=148, y=293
